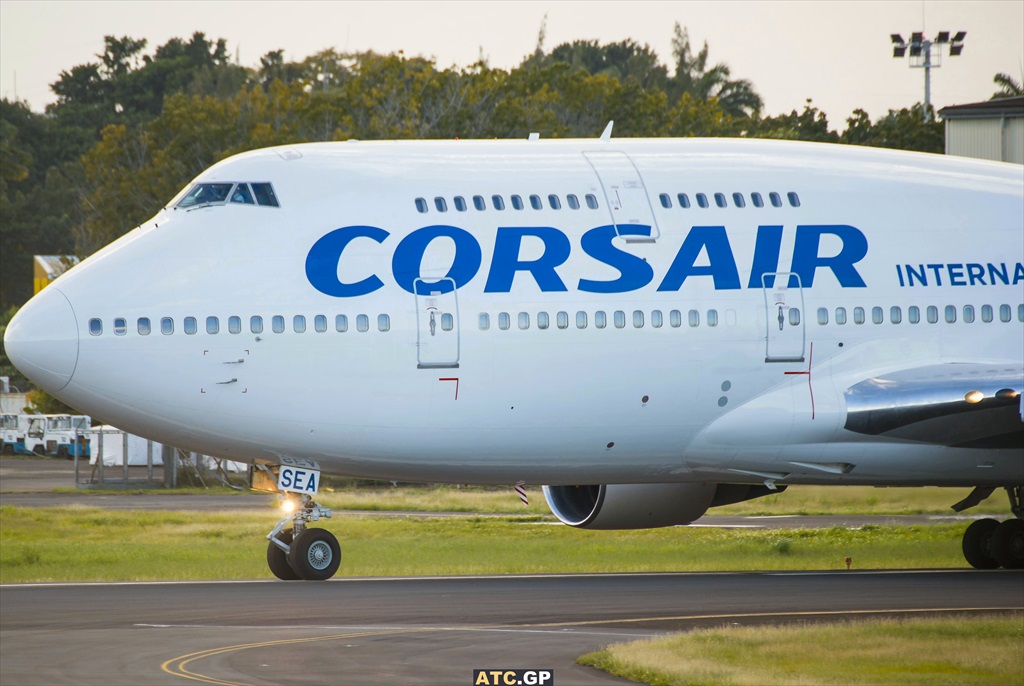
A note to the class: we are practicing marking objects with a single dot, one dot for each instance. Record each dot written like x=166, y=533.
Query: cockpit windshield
x=203, y=194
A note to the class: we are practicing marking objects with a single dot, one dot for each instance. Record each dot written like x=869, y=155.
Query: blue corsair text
x=705, y=253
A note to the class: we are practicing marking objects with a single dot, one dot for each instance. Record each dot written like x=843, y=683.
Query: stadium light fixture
x=922, y=57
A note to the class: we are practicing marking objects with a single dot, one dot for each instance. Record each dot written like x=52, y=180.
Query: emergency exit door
x=625, y=195
x=784, y=306
x=437, y=324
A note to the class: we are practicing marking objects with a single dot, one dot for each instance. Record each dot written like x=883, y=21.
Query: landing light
x=974, y=397
x=288, y=506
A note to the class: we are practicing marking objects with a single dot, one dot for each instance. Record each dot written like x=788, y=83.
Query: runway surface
x=425, y=630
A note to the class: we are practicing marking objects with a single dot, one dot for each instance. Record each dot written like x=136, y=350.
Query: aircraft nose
x=42, y=340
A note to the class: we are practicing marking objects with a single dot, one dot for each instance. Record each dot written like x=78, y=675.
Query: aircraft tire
x=277, y=560
x=315, y=555
x=977, y=544
x=1007, y=544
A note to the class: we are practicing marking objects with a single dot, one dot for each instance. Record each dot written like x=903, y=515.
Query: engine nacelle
x=643, y=506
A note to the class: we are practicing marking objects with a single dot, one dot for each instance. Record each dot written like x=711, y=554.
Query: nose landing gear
x=298, y=552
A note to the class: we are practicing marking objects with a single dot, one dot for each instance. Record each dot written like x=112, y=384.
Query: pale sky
x=834, y=51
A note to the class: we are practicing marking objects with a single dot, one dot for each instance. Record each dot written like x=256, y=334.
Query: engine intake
x=643, y=506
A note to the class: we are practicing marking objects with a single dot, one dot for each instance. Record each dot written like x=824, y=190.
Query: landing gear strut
x=298, y=552
x=989, y=544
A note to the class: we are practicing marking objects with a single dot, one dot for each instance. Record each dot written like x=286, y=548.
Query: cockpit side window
x=205, y=194
x=242, y=195
x=265, y=194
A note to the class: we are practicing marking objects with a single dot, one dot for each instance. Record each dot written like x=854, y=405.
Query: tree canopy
x=129, y=129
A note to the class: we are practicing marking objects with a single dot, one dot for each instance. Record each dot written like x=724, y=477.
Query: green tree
x=811, y=124
x=1008, y=87
x=904, y=129
x=736, y=97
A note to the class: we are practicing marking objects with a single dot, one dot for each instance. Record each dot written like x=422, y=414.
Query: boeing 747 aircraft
x=649, y=328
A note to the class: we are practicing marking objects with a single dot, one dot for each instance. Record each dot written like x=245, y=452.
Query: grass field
x=925, y=651
x=90, y=544
x=797, y=500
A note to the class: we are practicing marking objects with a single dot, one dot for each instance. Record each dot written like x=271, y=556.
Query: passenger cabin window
x=144, y=326
x=504, y=321
x=362, y=323
x=950, y=314
x=554, y=202
x=775, y=199
x=933, y=314
x=167, y=326
x=574, y=202
x=757, y=199
x=95, y=327
x=478, y=202
x=702, y=200
x=256, y=324
x=441, y=204
x=738, y=201
x=524, y=320
x=212, y=325
x=684, y=200
x=421, y=205
x=543, y=320
x=794, y=199
x=299, y=324
x=341, y=323
x=190, y=326
x=120, y=326
x=320, y=323
x=591, y=201
x=720, y=200
x=498, y=202
x=535, y=202
x=277, y=324
x=517, y=202
x=666, y=200
x=600, y=319
x=562, y=320
x=234, y=325
x=460, y=203
x=384, y=322
x=484, y=321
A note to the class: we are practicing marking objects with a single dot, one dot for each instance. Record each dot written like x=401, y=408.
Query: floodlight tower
x=921, y=56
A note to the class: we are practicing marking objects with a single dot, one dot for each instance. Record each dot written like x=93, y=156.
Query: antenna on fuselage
x=607, y=133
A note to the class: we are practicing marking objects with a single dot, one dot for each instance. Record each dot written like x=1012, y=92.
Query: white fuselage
x=691, y=377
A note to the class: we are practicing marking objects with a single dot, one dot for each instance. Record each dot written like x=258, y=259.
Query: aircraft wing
x=959, y=405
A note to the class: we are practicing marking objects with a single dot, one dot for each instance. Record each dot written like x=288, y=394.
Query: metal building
x=990, y=130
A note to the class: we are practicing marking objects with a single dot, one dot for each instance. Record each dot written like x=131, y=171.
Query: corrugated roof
x=1003, y=107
